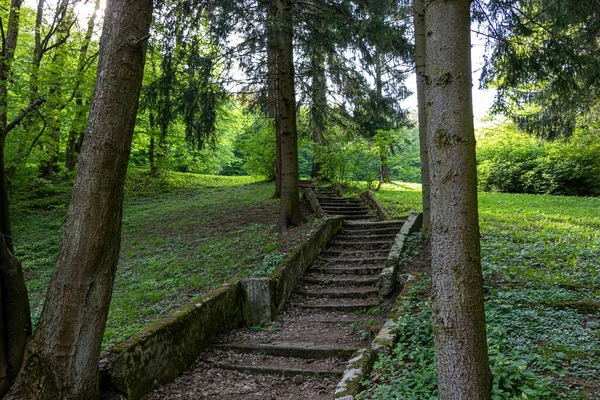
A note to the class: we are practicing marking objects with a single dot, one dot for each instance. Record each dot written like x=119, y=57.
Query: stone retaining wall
x=167, y=348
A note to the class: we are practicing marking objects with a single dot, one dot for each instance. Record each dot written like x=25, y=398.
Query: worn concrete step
x=338, y=200
x=374, y=269
x=371, y=231
x=288, y=367
x=327, y=280
x=348, y=237
x=354, y=260
x=342, y=211
x=346, y=206
x=357, y=225
x=359, y=217
x=350, y=252
x=339, y=293
x=361, y=244
x=344, y=305
x=291, y=349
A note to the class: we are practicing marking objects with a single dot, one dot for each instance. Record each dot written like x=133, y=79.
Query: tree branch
x=17, y=120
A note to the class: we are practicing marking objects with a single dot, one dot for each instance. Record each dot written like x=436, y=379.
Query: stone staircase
x=334, y=311
x=351, y=208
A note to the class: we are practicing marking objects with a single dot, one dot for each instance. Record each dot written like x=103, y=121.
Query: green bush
x=513, y=162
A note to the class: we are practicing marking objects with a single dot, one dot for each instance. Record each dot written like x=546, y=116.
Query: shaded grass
x=183, y=235
x=540, y=259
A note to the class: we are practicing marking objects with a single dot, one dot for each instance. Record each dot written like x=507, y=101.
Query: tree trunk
x=420, y=61
x=151, y=148
x=458, y=312
x=15, y=309
x=7, y=352
x=61, y=360
x=274, y=96
x=319, y=105
x=384, y=168
x=290, y=202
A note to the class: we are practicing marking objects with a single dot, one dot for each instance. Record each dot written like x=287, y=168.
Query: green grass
x=183, y=235
x=540, y=258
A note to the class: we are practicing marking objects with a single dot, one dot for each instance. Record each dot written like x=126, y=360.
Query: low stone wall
x=294, y=266
x=165, y=349
x=370, y=200
x=387, y=277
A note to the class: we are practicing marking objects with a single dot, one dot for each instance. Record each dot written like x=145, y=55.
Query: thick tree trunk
x=61, y=360
x=319, y=105
x=420, y=61
x=458, y=312
x=274, y=95
x=290, y=202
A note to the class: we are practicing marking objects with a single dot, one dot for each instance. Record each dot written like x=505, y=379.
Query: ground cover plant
x=183, y=234
x=540, y=262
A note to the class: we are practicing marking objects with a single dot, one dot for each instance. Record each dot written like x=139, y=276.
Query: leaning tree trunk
x=420, y=61
x=458, y=312
x=61, y=360
x=290, y=202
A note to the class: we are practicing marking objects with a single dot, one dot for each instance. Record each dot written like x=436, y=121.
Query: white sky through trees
x=482, y=99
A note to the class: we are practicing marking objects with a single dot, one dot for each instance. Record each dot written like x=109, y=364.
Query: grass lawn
x=183, y=235
x=540, y=257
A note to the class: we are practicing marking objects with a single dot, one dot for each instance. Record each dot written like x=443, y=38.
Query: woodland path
x=334, y=311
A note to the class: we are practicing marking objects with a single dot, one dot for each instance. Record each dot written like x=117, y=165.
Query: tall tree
x=458, y=312
x=286, y=113
x=61, y=360
x=420, y=61
x=543, y=58
x=15, y=319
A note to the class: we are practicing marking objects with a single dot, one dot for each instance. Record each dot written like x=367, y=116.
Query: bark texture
x=458, y=312
x=290, y=202
x=61, y=360
x=420, y=62
x=319, y=104
x=15, y=322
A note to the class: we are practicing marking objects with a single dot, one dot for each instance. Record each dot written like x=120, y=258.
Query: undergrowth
x=183, y=234
x=542, y=295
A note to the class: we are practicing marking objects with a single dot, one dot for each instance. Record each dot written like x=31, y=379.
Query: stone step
x=362, y=244
x=356, y=225
x=309, y=369
x=349, y=269
x=343, y=305
x=291, y=349
x=363, y=212
x=369, y=231
x=359, y=217
x=345, y=206
x=354, y=253
x=327, y=280
x=338, y=200
x=354, y=260
x=364, y=237
x=337, y=293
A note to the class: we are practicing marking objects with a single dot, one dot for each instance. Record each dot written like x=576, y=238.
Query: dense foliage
x=512, y=161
